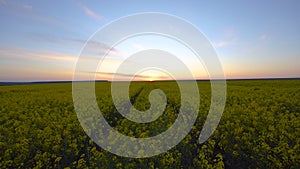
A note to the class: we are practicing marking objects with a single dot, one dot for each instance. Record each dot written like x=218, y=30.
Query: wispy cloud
x=223, y=43
x=27, y=7
x=229, y=38
x=48, y=56
x=12, y=5
x=27, y=54
x=60, y=57
x=26, y=11
x=101, y=48
x=95, y=48
x=263, y=37
x=91, y=13
x=19, y=64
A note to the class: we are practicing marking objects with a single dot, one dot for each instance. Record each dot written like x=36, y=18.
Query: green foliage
x=260, y=127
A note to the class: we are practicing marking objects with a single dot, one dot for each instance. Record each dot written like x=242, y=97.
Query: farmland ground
x=260, y=127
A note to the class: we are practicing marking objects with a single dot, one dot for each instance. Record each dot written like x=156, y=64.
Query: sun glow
x=151, y=79
x=154, y=75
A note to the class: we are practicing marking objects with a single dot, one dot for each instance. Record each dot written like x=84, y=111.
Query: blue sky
x=40, y=40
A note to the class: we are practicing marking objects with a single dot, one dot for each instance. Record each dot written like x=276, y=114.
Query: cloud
x=60, y=57
x=91, y=13
x=46, y=56
x=11, y=5
x=27, y=7
x=26, y=11
x=223, y=43
x=263, y=37
x=19, y=64
x=101, y=48
x=229, y=38
x=94, y=48
x=27, y=54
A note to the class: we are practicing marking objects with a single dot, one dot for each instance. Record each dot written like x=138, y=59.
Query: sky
x=41, y=40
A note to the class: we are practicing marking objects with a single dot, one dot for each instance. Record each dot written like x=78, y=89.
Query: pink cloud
x=27, y=54
x=229, y=38
x=263, y=37
x=91, y=13
x=223, y=43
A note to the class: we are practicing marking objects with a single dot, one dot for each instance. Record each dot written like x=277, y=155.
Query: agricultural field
x=260, y=127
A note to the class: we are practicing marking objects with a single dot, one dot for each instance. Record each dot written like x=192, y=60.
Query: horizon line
x=66, y=81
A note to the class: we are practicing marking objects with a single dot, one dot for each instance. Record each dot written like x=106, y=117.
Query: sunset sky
x=41, y=40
